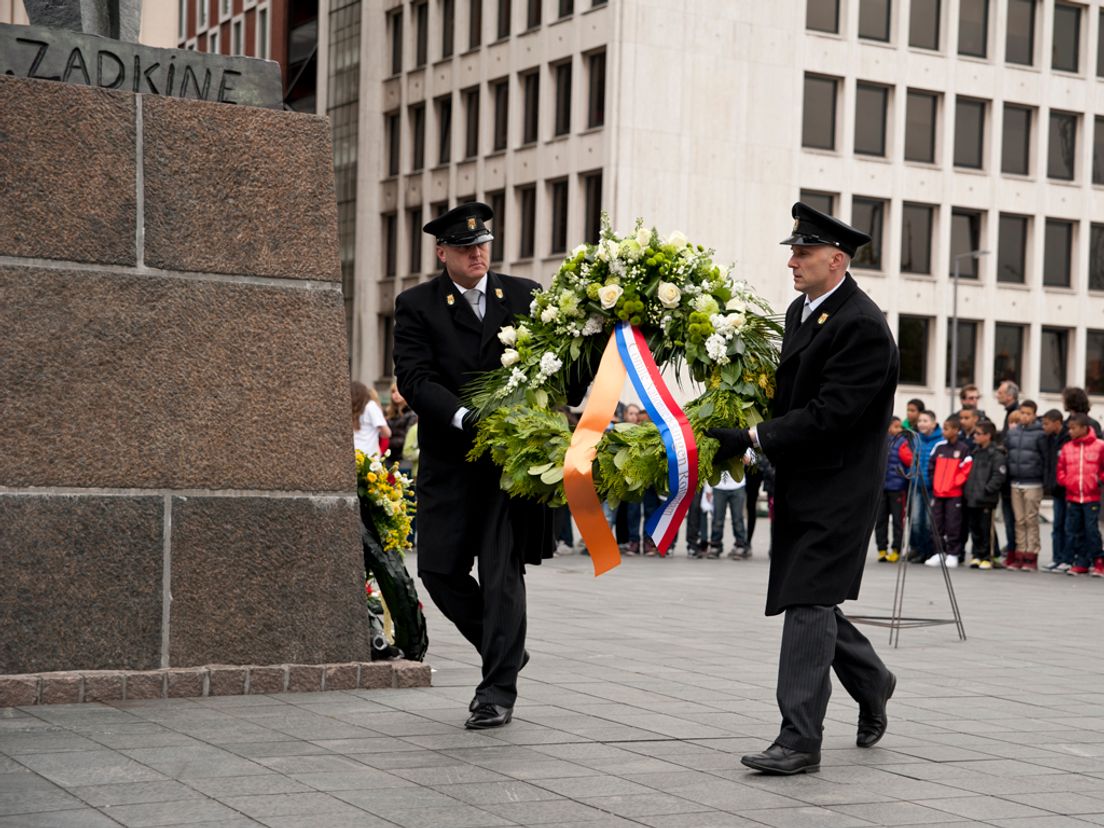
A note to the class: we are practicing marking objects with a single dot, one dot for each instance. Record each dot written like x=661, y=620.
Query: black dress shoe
x=524, y=660
x=488, y=715
x=872, y=720
x=781, y=760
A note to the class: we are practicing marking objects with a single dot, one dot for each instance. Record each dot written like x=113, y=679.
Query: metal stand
x=897, y=620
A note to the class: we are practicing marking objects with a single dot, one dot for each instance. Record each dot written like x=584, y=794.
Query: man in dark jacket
x=982, y=491
x=445, y=334
x=834, y=399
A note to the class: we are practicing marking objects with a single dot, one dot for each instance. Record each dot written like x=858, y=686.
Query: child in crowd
x=891, y=506
x=1026, y=447
x=1061, y=559
x=969, y=418
x=982, y=491
x=912, y=414
x=949, y=468
x=1080, y=472
x=918, y=453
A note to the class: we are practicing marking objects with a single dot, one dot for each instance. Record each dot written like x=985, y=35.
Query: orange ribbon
x=578, y=480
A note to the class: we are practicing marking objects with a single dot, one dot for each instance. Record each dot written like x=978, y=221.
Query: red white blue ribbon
x=678, y=437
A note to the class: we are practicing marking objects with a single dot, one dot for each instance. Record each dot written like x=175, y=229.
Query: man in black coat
x=826, y=440
x=445, y=335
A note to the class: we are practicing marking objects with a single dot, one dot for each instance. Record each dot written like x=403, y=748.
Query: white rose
x=509, y=357
x=579, y=249
x=643, y=237
x=677, y=239
x=609, y=294
x=669, y=294
x=550, y=314
x=736, y=321
x=508, y=336
x=736, y=304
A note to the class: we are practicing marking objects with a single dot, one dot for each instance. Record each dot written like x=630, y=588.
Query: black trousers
x=814, y=639
x=979, y=520
x=754, y=482
x=891, y=511
x=489, y=613
x=948, y=524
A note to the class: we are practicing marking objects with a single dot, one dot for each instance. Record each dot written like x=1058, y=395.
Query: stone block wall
x=176, y=472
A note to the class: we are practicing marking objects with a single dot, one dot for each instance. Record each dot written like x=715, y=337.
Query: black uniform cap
x=814, y=227
x=462, y=226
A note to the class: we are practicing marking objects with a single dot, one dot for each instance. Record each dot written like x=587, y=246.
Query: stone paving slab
x=645, y=687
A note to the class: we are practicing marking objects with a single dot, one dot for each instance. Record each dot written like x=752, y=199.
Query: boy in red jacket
x=1080, y=471
x=949, y=468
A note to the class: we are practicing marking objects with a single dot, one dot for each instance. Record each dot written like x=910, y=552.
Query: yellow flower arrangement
x=385, y=491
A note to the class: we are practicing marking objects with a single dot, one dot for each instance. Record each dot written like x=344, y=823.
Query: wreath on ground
x=693, y=315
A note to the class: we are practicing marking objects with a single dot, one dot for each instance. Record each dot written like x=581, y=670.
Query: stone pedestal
x=176, y=473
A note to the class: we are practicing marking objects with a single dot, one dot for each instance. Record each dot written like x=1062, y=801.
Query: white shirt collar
x=816, y=303
x=481, y=285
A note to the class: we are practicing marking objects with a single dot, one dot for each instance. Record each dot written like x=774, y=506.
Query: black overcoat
x=835, y=384
x=440, y=345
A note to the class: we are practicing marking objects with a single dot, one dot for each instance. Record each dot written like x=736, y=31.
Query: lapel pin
x=498, y=292
x=822, y=319
x=450, y=299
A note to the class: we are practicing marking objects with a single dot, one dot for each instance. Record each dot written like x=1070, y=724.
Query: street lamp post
x=976, y=254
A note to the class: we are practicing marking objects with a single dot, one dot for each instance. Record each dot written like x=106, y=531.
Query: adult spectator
x=1008, y=395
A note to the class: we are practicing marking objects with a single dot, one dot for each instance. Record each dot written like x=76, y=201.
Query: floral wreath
x=689, y=311
x=385, y=492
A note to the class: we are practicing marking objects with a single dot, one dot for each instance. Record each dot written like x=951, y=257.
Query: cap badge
x=498, y=292
x=797, y=223
x=822, y=319
x=471, y=223
x=450, y=299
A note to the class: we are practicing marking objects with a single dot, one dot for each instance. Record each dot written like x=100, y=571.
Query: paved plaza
x=645, y=687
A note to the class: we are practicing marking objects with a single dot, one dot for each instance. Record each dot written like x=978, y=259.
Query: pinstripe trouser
x=814, y=639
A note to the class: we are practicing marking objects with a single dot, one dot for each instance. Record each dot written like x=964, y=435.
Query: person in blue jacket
x=928, y=433
x=891, y=506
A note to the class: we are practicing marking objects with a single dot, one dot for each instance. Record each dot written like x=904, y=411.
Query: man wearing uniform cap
x=826, y=440
x=446, y=335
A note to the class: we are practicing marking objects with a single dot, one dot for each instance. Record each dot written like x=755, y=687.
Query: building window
x=201, y=15
x=924, y=24
x=825, y=202
x=967, y=353
x=504, y=8
x=916, y=238
x=818, y=125
x=969, y=133
x=1012, y=249
x=1094, y=362
x=965, y=238
x=415, y=225
x=1016, y=142
x=497, y=203
x=213, y=42
x=421, y=33
x=592, y=206
x=1098, y=151
x=557, y=191
x=1057, y=253
x=237, y=31
x=387, y=344
x=448, y=27
x=444, y=129
x=871, y=102
x=527, y=225
x=868, y=215
x=973, y=28
x=920, y=113
x=390, y=244
x=567, y=8
x=392, y=128
x=500, y=94
x=874, y=19
x=822, y=15
x=912, y=342
x=1008, y=343
x=562, y=74
x=475, y=23
x=530, y=93
x=1096, y=257
x=1065, y=52
x=182, y=19
x=417, y=137
x=1100, y=49
x=395, y=29
x=1055, y=354
x=1062, y=146
x=438, y=208
x=471, y=122
x=533, y=14
x=262, y=33
x=1019, y=42
x=596, y=89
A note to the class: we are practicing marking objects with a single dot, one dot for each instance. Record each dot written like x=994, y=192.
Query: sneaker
x=975, y=563
x=892, y=557
x=693, y=552
x=933, y=560
x=712, y=552
x=1078, y=570
x=1053, y=566
x=952, y=561
x=984, y=565
x=1063, y=567
x=883, y=556
x=563, y=549
x=1098, y=568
